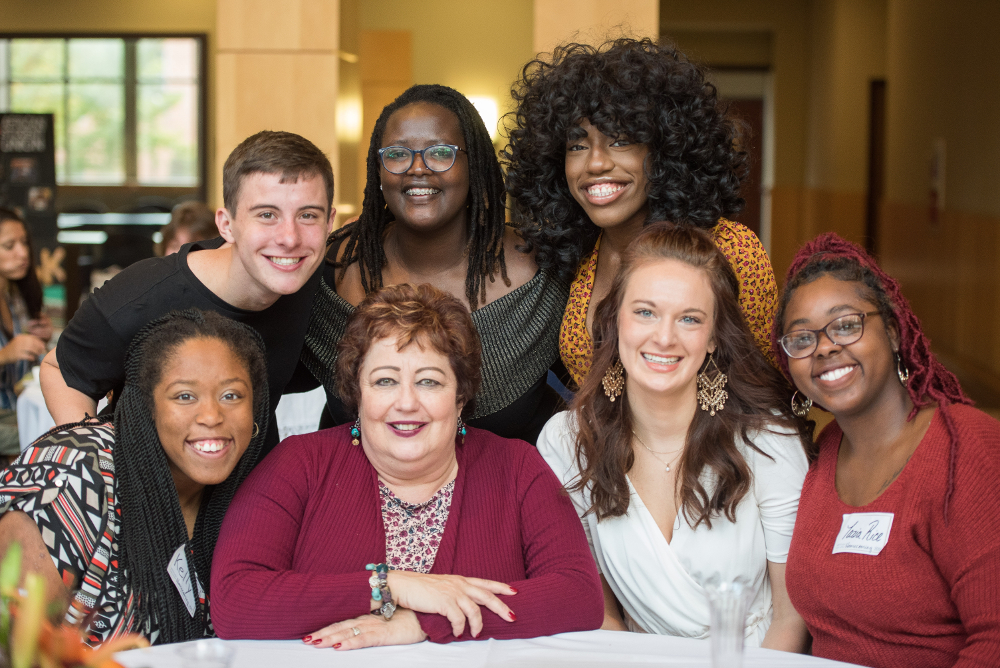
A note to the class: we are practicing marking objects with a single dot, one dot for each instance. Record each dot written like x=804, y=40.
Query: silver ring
x=356, y=631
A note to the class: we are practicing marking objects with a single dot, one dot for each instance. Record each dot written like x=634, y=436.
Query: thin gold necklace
x=657, y=454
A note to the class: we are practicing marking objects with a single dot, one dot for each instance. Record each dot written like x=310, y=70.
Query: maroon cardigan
x=292, y=551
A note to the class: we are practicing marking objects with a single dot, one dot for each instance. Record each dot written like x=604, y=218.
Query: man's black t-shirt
x=91, y=351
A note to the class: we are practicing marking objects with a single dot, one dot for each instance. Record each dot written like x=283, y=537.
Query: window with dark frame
x=129, y=110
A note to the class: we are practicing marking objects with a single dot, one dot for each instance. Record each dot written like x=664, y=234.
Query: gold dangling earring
x=711, y=396
x=801, y=407
x=614, y=381
x=901, y=370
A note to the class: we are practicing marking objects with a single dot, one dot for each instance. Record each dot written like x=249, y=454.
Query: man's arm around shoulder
x=64, y=403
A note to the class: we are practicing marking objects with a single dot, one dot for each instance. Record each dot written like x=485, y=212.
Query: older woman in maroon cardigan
x=406, y=525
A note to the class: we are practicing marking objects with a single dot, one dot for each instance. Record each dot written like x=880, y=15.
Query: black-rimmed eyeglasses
x=437, y=158
x=843, y=331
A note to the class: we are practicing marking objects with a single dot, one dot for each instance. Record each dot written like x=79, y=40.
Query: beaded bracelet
x=380, y=590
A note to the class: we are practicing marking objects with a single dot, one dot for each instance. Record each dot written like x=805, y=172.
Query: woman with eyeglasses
x=895, y=557
x=611, y=138
x=434, y=212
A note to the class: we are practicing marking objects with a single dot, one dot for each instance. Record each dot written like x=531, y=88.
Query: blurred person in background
x=24, y=329
x=189, y=221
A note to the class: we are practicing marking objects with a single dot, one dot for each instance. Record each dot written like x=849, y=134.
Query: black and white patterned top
x=65, y=481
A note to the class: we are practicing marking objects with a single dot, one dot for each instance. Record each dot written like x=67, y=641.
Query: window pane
x=43, y=99
x=4, y=90
x=167, y=134
x=96, y=133
x=36, y=59
x=159, y=59
x=96, y=59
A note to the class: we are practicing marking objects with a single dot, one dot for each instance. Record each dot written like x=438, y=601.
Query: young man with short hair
x=264, y=271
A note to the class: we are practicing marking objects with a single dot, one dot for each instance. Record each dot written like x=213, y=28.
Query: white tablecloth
x=33, y=417
x=296, y=413
x=591, y=648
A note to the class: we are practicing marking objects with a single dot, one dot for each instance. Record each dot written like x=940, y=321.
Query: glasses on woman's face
x=843, y=331
x=437, y=158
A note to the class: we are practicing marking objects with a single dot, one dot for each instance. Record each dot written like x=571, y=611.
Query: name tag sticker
x=177, y=568
x=863, y=533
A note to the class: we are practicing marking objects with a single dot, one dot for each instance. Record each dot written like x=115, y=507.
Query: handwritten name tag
x=177, y=568
x=863, y=533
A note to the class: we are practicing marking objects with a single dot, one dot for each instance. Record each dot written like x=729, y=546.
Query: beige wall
x=847, y=51
x=477, y=48
x=592, y=21
x=287, y=81
x=944, y=81
x=822, y=55
x=787, y=21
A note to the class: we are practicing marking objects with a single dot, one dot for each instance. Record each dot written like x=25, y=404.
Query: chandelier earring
x=614, y=381
x=801, y=406
x=711, y=395
x=356, y=432
x=901, y=369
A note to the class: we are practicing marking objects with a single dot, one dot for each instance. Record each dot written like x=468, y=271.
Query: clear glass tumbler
x=727, y=604
x=207, y=653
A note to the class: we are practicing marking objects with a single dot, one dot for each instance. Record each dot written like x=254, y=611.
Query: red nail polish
x=512, y=589
x=317, y=642
x=337, y=646
x=513, y=617
x=307, y=639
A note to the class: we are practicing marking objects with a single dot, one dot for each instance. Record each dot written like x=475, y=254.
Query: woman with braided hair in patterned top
x=122, y=519
x=434, y=212
x=895, y=556
x=608, y=139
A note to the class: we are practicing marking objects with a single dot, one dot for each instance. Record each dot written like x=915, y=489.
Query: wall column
x=590, y=21
x=276, y=69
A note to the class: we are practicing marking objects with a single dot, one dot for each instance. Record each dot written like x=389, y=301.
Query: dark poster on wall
x=28, y=173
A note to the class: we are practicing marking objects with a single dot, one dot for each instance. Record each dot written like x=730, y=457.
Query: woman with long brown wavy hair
x=680, y=451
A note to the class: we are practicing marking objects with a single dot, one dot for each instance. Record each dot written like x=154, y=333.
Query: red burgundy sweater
x=292, y=551
x=931, y=598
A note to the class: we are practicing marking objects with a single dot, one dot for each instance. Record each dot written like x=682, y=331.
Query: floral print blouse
x=413, y=531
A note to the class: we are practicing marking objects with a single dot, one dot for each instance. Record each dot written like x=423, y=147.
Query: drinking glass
x=207, y=653
x=727, y=604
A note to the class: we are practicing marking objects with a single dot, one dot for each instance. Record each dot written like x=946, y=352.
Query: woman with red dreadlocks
x=895, y=557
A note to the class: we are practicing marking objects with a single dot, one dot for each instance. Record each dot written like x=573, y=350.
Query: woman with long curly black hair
x=121, y=520
x=434, y=212
x=608, y=139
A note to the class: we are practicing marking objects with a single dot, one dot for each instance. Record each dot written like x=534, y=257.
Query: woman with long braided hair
x=122, y=519
x=896, y=549
x=434, y=212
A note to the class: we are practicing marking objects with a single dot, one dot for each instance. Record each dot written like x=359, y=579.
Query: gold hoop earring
x=614, y=381
x=256, y=430
x=801, y=407
x=901, y=369
x=711, y=395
